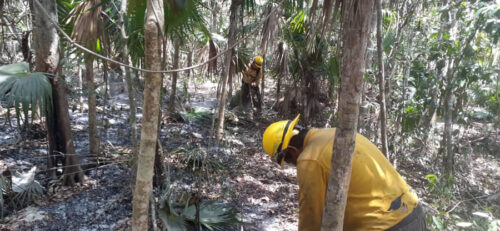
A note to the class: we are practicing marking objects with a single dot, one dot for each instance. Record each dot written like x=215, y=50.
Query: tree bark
x=149, y=131
x=58, y=123
x=356, y=17
x=232, y=31
x=92, y=113
x=175, y=65
x=381, y=81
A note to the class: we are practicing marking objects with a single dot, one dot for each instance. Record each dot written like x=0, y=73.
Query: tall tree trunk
x=92, y=113
x=149, y=132
x=263, y=50
x=327, y=11
x=232, y=29
x=188, y=75
x=130, y=85
x=356, y=17
x=58, y=123
x=81, y=87
x=232, y=71
x=448, y=118
x=381, y=81
x=175, y=65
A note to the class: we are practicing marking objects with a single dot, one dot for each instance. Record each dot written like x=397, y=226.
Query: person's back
x=378, y=197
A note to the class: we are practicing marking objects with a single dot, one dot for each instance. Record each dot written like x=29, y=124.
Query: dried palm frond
x=87, y=26
x=25, y=187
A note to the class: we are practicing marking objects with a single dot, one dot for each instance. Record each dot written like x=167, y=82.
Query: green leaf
x=437, y=222
x=171, y=220
x=431, y=177
x=98, y=45
x=25, y=90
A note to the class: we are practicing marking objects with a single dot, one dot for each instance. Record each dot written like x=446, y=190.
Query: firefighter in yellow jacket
x=378, y=197
x=250, y=93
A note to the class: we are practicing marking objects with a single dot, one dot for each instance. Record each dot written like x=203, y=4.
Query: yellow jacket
x=375, y=184
x=252, y=75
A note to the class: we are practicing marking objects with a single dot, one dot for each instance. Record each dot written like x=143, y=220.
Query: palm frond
x=213, y=215
x=242, y=57
x=87, y=24
x=184, y=18
x=25, y=90
x=25, y=187
x=171, y=220
x=134, y=25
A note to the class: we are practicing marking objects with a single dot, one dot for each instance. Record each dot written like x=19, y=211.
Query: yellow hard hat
x=258, y=60
x=277, y=136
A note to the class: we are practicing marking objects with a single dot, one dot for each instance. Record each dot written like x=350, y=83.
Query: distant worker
x=250, y=93
x=378, y=197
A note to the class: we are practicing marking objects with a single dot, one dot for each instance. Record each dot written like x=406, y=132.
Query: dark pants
x=415, y=221
x=250, y=96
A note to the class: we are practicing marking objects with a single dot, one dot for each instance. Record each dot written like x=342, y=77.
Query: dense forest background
x=100, y=97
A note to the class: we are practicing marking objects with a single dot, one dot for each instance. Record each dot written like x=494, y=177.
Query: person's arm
x=312, y=189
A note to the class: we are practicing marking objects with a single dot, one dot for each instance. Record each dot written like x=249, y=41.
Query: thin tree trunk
x=381, y=81
x=81, y=86
x=356, y=17
x=266, y=33
x=175, y=65
x=149, y=131
x=448, y=124
x=130, y=85
x=334, y=18
x=103, y=122
x=92, y=113
x=232, y=71
x=232, y=29
x=188, y=76
x=327, y=11
x=58, y=123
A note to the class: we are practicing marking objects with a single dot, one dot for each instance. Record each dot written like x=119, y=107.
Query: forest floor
x=236, y=171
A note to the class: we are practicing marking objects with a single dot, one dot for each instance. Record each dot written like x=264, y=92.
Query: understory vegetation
x=83, y=119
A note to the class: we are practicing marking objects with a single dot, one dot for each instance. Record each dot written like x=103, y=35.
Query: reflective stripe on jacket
x=375, y=184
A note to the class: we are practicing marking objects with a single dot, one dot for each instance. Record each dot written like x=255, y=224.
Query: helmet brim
x=288, y=135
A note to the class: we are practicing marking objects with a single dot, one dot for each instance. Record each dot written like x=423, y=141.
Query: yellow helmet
x=258, y=60
x=277, y=136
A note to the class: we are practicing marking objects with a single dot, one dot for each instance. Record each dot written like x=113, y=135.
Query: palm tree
x=86, y=30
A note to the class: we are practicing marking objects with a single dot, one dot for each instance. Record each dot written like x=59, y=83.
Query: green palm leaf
x=213, y=216
x=25, y=90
